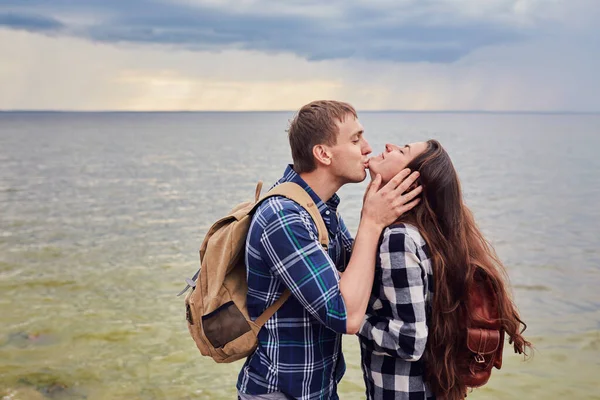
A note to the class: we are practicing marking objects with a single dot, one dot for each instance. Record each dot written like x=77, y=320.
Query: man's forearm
x=357, y=281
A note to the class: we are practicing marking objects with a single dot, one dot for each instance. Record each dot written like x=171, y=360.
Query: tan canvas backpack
x=216, y=311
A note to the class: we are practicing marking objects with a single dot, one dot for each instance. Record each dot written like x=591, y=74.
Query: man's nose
x=366, y=150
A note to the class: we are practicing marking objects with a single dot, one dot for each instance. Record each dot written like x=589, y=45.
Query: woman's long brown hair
x=457, y=249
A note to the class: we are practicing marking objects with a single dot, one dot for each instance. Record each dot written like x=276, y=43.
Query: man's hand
x=383, y=206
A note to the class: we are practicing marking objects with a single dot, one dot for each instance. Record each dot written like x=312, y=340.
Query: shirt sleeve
x=347, y=243
x=291, y=249
x=399, y=327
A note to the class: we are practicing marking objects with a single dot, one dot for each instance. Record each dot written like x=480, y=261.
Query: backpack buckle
x=190, y=283
x=479, y=358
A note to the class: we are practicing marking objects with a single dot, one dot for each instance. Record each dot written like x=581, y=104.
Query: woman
x=414, y=330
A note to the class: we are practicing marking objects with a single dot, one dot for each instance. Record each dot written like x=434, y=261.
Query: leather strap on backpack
x=269, y=312
x=296, y=193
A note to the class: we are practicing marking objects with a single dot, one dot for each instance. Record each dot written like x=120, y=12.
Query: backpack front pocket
x=224, y=324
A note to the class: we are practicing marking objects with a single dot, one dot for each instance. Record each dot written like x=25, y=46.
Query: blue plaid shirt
x=299, y=349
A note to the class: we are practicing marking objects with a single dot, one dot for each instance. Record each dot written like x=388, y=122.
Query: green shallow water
x=101, y=217
x=141, y=358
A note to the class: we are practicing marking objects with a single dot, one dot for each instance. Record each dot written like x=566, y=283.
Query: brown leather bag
x=484, y=333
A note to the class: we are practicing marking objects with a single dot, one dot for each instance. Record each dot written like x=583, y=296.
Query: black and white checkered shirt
x=394, y=333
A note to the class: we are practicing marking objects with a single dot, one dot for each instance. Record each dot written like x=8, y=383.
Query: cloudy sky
x=495, y=55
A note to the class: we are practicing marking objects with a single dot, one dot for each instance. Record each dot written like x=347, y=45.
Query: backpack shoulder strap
x=272, y=309
x=296, y=193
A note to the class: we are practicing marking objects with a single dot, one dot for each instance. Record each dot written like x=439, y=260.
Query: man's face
x=349, y=154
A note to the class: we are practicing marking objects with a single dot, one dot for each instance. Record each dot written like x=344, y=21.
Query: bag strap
x=272, y=309
x=296, y=193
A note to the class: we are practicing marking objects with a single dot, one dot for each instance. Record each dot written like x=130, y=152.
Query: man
x=299, y=349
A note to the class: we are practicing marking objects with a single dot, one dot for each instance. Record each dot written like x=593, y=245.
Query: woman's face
x=394, y=159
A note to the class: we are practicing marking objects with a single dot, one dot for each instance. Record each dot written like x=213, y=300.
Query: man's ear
x=322, y=154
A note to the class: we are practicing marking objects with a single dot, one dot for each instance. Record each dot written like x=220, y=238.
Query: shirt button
x=327, y=212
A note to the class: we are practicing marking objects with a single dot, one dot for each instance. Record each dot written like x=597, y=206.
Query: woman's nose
x=389, y=147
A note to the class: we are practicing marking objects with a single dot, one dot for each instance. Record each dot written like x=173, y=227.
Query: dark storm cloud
x=404, y=33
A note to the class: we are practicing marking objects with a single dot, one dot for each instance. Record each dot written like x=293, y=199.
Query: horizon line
x=390, y=111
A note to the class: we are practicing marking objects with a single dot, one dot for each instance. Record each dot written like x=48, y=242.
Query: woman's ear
x=322, y=154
